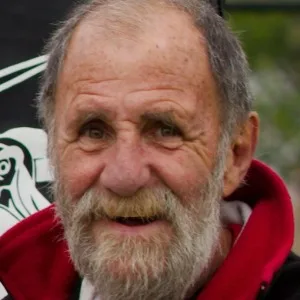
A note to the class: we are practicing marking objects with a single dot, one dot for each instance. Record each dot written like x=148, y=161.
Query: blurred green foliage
x=272, y=43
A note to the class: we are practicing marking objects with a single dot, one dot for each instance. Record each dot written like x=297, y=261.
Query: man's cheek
x=78, y=172
x=181, y=173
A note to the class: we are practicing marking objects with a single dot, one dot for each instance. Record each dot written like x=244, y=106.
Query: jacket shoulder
x=31, y=253
x=25, y=232
x=286, y=284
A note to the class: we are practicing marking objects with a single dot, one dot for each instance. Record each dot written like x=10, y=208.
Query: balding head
x=127, y=18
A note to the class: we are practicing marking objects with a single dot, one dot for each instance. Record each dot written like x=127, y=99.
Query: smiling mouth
x=135, y=221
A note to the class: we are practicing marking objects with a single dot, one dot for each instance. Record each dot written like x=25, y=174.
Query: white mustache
x=146, y=204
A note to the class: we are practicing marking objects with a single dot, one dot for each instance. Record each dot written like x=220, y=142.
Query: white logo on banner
x=32, y=67
x=23, y=163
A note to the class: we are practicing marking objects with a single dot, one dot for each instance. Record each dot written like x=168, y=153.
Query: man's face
x=136, y=142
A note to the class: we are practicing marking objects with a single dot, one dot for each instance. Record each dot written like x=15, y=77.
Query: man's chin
x=128, y=270
x=131, y=252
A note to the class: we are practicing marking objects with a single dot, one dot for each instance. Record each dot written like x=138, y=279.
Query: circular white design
x=5, y=166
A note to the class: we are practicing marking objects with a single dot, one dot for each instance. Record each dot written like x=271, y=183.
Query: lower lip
x=150, y=228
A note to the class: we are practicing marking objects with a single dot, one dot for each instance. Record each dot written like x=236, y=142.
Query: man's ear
x=240, y=154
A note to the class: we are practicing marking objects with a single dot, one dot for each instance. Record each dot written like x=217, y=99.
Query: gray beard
x=154, y=269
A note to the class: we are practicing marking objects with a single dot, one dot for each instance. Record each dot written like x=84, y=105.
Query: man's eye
x=168, y=131
x=94, y=131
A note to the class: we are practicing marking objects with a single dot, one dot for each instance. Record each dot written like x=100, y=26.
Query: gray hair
x=227, y=59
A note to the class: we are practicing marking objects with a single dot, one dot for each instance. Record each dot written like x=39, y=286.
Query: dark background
x=24, y=28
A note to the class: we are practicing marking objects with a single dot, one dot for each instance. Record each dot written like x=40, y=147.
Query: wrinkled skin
x=143, y=113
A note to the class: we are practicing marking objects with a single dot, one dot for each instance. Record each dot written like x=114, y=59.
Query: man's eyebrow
x=167, y=117
x=84, y=117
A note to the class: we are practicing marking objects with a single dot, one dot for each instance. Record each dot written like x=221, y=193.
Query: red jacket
x=34, y=263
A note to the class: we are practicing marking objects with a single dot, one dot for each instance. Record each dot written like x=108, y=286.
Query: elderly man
x=151, y=136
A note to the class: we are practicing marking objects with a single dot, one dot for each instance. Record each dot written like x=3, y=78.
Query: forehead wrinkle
x=161, y=50
x=88, y=102
x=94, y=88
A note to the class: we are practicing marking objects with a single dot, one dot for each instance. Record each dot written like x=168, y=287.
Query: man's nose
x=126, y=171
